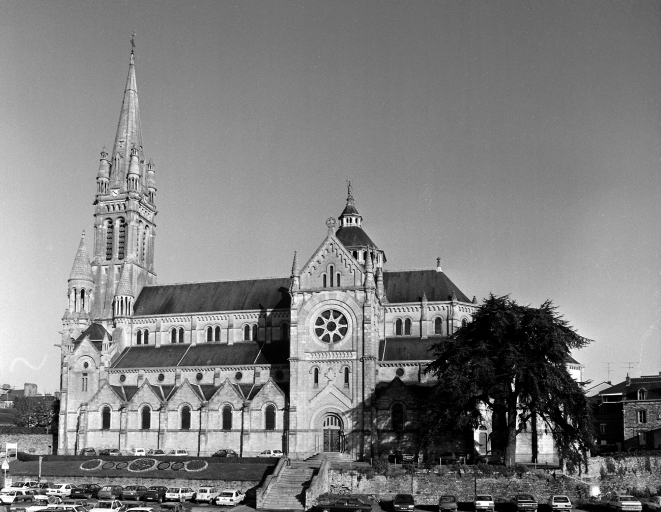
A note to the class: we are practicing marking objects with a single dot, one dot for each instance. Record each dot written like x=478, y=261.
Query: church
x=328, y=358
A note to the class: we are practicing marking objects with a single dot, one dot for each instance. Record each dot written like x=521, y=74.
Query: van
x=139, y=452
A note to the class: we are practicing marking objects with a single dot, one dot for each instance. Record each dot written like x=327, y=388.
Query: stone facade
x=37, y=444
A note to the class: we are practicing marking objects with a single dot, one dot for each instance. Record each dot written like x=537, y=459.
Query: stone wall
x=38, y=444
x=638, y=474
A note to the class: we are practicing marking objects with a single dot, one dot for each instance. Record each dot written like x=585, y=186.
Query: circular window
x=279, y=375
x=122, y=378
x=161, y=377
x=399, y=372
x=331, y=326
x=238, y=375
x=86, y=365
x=199, y=376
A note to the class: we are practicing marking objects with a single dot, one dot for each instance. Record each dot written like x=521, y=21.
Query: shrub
x=380, y=466
x=176, y=465
x=163, y=465
x=142, y=465
x=90, y=465
x=121, y=465
x=610, y=464
x=108, y=465
x=196, y=465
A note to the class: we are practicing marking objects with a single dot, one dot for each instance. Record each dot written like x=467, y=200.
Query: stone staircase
x=288, y=493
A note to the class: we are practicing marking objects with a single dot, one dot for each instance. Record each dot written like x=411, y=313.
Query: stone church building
x=328, y=358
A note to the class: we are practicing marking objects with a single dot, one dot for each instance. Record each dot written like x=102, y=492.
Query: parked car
x=43, y=486
x=654, y=503
x=177, y=453
x=133, y=492
x=447, y=502
x=225, y=452
x=525, y=503
x=139, y=452
x=491, y=458
x=271, y=453
x=206, y=494
x=484, y=502
x=229, y=497
x=155, y=453
x=28, y=484
x=179, y=494
x=399, y=457
x=110, y=492
x=140, y=509
x=108, y=506
x=41, y=504
x=559, y=502
x=452, y=458
x=88, y=452
x=171, y=507
x=110, y=452
x=60, y=490
x=64, y=508
x=403, y=503
x=17, y=496
x=625, y=502
x=348, y=504
x=155, y=493
x=87, y=491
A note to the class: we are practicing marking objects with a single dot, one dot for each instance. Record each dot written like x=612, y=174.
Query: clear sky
x=520, y=141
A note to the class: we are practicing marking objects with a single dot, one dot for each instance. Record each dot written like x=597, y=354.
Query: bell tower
x=125, y=211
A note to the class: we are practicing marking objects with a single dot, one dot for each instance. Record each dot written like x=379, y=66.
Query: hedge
x=27, y=457
x=6, y=429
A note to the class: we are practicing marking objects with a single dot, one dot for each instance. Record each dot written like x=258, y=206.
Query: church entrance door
x=332, y=433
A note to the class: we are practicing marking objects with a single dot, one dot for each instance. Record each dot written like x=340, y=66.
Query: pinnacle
x=82, y=269
x=125, y=289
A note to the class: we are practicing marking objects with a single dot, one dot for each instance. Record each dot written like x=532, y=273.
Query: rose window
x=331, y=326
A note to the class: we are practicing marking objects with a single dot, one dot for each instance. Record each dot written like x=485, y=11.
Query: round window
x=199, y=376
x=279, y=375
x=161, y=377
x=86, y=365
x=399, y=372
x=122, y=378
x=238, y=375
x=331, y=326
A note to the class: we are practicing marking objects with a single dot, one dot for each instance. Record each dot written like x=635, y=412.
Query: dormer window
x=642, y=394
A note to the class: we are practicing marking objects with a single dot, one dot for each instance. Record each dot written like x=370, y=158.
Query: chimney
x=627, y=382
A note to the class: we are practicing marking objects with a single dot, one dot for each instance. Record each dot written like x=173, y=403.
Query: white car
x=625, y=502
x=17, y=496
x=108, y=506
x=177, y=453
x=206, y=494
x=60, y=490
x=65, y=508
x=271, y=453
x=179, y=494
x=28, y=484
x=140, y=509
x=139, y=452
x=484, y=502
x=559, y=502
x=229, y=497
x=41, y=504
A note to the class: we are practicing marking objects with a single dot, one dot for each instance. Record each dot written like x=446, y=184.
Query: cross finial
x=132, y=43
x=349, y=188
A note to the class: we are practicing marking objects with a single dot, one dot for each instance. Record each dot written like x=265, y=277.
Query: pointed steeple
x=295, y=267
x=129, y=132
x=82, y=269
x=125, y=289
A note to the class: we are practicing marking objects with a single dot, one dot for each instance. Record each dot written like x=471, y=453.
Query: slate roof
x=271, y=293
x=409, y=285
x=570, y=360
x=407, y=348
x=96, y=332
x=651, y=383
x=207, y=354
x=354, y=236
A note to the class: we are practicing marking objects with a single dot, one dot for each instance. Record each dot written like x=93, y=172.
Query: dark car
x=403, y=503
x=85, y=491
x=171, y=507
x=110, y=492
x=525, y=502
x=155, y=493
x=133, y=492
x=452, y=458
x=88, y=452
x=155, y=453
x=447, y=502
x=345, y=504
x=401, y=457
x=110, y=452
x=225, y=452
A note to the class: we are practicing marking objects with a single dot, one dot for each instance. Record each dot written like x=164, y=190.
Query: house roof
x=96, y=333
x=246, y=294
x=354, y=236
x=650, y=383
x=409, y=285
x=407, y=348
x=570, y=360
x=207, y=354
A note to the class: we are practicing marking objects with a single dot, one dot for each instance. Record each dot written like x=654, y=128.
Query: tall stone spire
x=82, y=269
x=129, y=131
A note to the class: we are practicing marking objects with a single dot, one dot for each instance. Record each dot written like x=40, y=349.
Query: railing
x=270, y=480
x=318, y=486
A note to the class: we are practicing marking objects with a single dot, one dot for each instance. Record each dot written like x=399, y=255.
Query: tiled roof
x=206, y=354
x=272, y=293
x=407, y=348
x=652, y=384
x=409, y=285
x=82, y=269
x=354, y=236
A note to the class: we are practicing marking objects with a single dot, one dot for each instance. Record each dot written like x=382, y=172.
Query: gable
x=105, y=395
x=185, y=393
x=395, y=391
x=331, y=395
x=269, y=392
x=331, y=255
x=144, y=394
x=226, y=393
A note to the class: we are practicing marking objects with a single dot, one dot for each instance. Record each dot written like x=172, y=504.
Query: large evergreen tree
x=510, y=361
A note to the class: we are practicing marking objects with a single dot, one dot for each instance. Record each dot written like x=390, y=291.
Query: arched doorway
x=333, y=433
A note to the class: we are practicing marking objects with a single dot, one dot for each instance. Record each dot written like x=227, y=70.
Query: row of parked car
x=142, y=452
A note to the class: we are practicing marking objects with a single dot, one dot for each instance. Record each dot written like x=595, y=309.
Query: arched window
x=146, y=418
x=173, y=336
x=464, y=322
x=255, y=331
x=331, y=273
x=269, y=417
x=407, y=327
x=338, y=279
x=642, y=394
x=323, y=279
x=284, y=331
x=105, y=418
x=398, y=327
x=315, y=378
x=146, y=337
x=139, y=337
x=246, y=333
x=209, y=333
x=216, y=334
x=185, y=418
x=109, y=236
x=438, y=326
x=346, y=377
x=121, y=238
x=181, y=334
x=397, y=417
x=227, y=418
x=82, y=300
